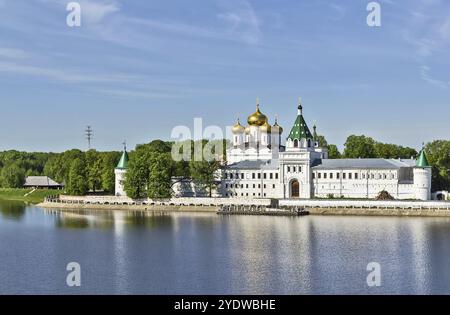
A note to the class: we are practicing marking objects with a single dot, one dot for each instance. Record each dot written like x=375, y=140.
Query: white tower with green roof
x=120, y=171
x=422, y=177
x=302, y=150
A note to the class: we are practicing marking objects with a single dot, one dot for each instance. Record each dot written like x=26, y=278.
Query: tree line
x=79, y=171
x=153, y=171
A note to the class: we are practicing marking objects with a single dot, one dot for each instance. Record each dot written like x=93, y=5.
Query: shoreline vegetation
x=27, y=195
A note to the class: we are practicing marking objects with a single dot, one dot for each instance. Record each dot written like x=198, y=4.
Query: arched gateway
x=295, y=189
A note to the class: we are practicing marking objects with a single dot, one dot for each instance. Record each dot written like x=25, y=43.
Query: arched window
x=295, y=143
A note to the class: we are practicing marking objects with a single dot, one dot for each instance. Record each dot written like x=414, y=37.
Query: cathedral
x=260, y=166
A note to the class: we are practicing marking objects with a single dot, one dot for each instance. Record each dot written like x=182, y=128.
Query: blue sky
x=135, y=69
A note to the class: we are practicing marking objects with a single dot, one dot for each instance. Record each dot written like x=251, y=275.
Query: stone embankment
x=312, y=206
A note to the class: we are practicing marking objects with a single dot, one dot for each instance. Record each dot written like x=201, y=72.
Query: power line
x=89, y=135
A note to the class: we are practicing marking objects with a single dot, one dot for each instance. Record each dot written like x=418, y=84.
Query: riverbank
x=141, y=207
x=379, y=212
x=313, y=206
x=27, y=195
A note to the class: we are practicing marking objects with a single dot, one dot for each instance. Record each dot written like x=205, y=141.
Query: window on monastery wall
x=259, y=185
x=242, y=175
x=349, y=175
x=314, y=175
x=294, y=169
x=276, y=175
x=264, y=186
x=231, y=175
x=338, y=175
x=264, y=194
x=246, y=186
x=226, y=185
x=271, y=175
x=325, y=175
x=259, y=175
x=320, y=175
x=356, y=175
x=295, y=143
x=288, y=169
x=343, y=176
x=231, y=185
x=331, y=175
x=254, y=186
x=253, y=176
x=273, y=186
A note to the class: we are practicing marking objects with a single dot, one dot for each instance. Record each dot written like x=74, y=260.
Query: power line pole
x=89, y=135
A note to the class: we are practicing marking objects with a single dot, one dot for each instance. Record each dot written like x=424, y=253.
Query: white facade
x=302, y=169
x=120, y=177
x=260, y=167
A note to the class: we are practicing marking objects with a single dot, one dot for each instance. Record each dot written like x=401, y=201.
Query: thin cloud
x=60, y=75
x=242, y=21
x=12, y=53
x=425, y=75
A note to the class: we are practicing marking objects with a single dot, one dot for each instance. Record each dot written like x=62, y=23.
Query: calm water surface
x=151, y=253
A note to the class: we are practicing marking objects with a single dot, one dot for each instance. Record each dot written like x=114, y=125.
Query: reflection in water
x=201, y=253
x=117, y=220
x=12, y=209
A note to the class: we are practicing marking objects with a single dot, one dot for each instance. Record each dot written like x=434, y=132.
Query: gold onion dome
x=277, y=127
x=266, y=128
x=238, y=128
x=257, y=118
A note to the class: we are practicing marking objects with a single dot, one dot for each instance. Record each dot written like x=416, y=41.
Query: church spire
x=315, y=132
x=422, y=161
x=300, y=107
x=300, y=129
x=123, y=162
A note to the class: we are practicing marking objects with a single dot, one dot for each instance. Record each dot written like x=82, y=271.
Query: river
x=136, y=252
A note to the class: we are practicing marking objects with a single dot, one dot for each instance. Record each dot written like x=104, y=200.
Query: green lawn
x=19, y=194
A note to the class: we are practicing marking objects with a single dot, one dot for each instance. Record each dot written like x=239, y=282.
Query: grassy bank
x=36, y=196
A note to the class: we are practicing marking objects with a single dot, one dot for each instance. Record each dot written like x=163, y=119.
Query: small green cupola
x=300, y=129
x=123, y=162
x=422, y=161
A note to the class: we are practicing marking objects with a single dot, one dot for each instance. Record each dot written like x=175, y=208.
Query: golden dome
x=276, y=126
x=266, y=127
x=247, y=130
x=257, y=118
x=238, y=128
